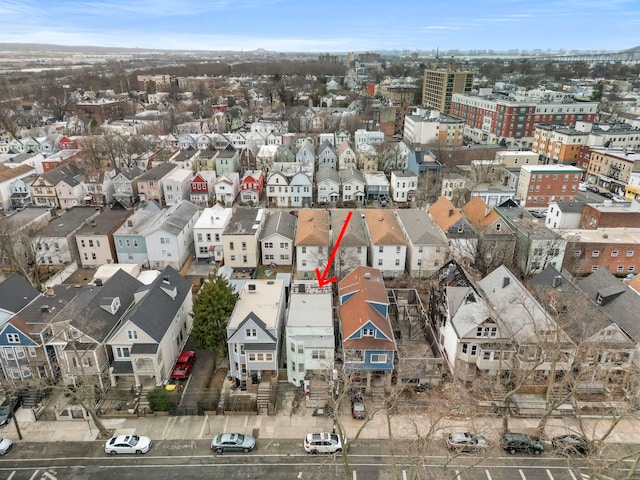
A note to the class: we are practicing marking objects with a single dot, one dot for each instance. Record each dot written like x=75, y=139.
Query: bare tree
x=18, y=247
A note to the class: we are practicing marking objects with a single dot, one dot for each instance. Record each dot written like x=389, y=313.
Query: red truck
x=183, y=365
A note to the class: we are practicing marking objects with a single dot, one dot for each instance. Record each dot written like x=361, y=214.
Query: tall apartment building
x=540, y=184
x=439, y=86
x=492, y=117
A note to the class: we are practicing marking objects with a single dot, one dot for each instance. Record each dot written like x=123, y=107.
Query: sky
x=326, y=26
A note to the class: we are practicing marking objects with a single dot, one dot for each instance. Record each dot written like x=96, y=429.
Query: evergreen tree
x=211, y=310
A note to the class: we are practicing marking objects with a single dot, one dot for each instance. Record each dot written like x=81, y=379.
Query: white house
x=176, y=185
x=403, y=186
x=354, y=247
x=153, y=333
x=278, y=189
x=328, y=185
x=254, y=336
x=327, y=156
x=313, y=240
x=363, y=137
x=427, y=248
x=276, y=240
x=300, y=190
x=562, y=215
x=388, y=249
x=227, y=187
x=309, y=332
x=171, y=242
x=207, y=232
x=353, y=185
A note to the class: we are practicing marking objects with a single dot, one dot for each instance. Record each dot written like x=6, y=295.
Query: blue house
x=368, y=345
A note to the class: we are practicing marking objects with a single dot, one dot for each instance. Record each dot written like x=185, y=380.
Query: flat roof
x=310, y=310
x=263, y=301
x=603, y=235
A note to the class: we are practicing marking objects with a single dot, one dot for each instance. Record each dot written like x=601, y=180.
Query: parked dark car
x=570, y=444
x=592, y=188
x=521, y=442
x=358, y=409
x=608, y=195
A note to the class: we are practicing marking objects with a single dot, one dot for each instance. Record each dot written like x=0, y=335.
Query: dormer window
x=367, y=332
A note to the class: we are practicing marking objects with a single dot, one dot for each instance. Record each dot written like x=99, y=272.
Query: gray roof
x=282, y=223
x=93, y=320
x=44, y=308
x=73, y=181
x=54, y=176
x=68, y=222
x=525, y=223
x=351, y=174
x=327, y=174
x=157, y=172
x=419, y=227
x=16, y=293
x=131, y=173
x=619, y=303
x=181, y=216
x=105, y=223
x=156, y=310
x=356, y=233
x=242, y=221
x=570, y=207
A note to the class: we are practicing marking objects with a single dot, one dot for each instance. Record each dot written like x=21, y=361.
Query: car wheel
x=113, y=452
x=537, y=452
x=512, y=451
x=138, y=452
x=219, y=451
x=246, y=450
x=314, y=452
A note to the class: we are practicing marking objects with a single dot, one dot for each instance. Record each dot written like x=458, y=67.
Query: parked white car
x=138, y=444
x=5, y=445
x=323, y=443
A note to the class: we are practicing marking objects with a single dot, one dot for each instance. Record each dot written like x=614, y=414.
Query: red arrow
x=322, y=281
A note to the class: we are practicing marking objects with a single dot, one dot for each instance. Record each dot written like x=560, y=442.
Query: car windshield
x=239, y=438
x=134, y=440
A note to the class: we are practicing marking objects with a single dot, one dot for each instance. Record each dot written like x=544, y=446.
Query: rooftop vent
x=505, y=281
x=44, y=308
x=367, y=275
x=98, y=282
x=557, y=280
x=165, y=279
x=251, y=288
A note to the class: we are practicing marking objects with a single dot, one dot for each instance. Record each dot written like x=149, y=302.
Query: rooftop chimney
x=557, y=280
x=451, y=212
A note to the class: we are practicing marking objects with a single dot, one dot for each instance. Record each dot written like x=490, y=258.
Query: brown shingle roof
x=313, y=228
x=479, y=213
x=444, y=213
x=7, y=173
x=384, y=228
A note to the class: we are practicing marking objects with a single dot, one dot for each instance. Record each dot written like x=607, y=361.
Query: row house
x=563, y=215
x=55, y=244
x=607, y=344
x=201, y=188
x=536, y=245
x=404, y=186
x=312, y=241
x=367, y=158
x=176, y=185
x=240, y=238
x=130, y=238
x=125, y=188
x=496, y=241
x=354, y=247
x=306, y=154
x=427, y=248
x=353, y=185
x=394, y=156
x=365, y=333
x=9, y=187
x=611, y=169
x=328, y=186
x=94, y=240
x=270, y=154
x=227, y=161
x=254, y=331
x=70, y=191
x=44, y=185
x=347, y=158
x=309, y=333
x=150, y=183
x=613, y=249
x=251, y=187
x=277, y=238
x=377, y=185
x=290, y=185
x=99, y=187
x=364, y=137
x=461, y=236
x=327, y=156
x=388, y=248
x=540, y=184
x=170, y=243
x=207, y=232
x=227, y=187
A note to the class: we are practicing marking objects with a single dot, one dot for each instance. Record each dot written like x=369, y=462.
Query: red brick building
x=540, y=184
x=102, y=110
x=616, y=249
x=610, y=215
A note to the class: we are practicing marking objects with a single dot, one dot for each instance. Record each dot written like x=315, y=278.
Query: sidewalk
x=297, y=426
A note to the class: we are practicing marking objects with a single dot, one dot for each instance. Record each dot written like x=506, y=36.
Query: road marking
x=550, y=476
x=522, y=475
x=572, y=475
x=354, y=475
x=457, y=474
x=299, y=474
x=169, y=426
x=404, y=475
x=488, y=475
x=34, y=474
x=204, y=424
x=49, y=476
x=11, y=476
